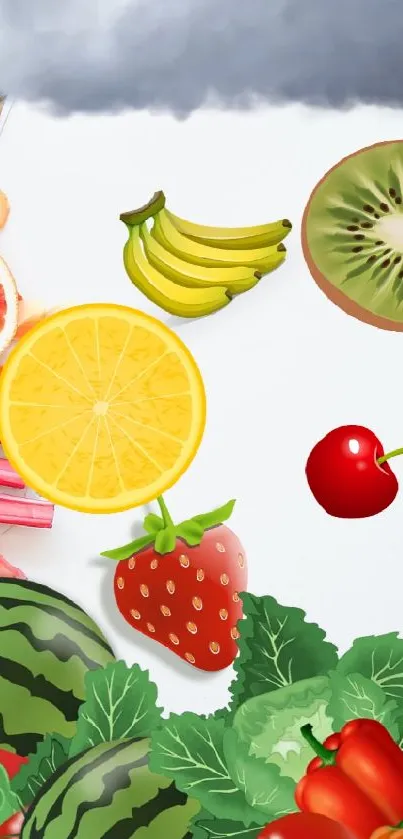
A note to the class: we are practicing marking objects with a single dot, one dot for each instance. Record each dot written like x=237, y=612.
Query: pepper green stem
x=327, y=756
x=168, y=522
x=389, y=455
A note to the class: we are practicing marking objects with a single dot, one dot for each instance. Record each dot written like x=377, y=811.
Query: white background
x=282, y=365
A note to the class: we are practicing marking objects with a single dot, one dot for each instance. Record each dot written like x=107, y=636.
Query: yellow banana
x=258, y=259
x=175, y=299
x=256, y=236
x=235, y=280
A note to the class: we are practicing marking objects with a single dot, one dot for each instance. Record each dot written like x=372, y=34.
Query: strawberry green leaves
x=121, y=702
x=190, y=750
x=153, y=523
x=162, y=533
x=51, y=753
x=125, y=551
x=215, y=517
x=277, y=648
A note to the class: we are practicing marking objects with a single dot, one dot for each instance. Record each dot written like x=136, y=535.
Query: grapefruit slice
x=8, y=306
x=30, y=312
x=4, y=209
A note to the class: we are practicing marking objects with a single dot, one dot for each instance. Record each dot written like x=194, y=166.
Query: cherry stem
x=327, y=756
x=164, y=512
x=389, y=455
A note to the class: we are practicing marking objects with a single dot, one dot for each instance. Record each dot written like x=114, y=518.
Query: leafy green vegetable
x=379, y=658
x=121, y=702
x=354, y=696
x=190, y=750
x=270, y=724
x=261, y=782
x=206, y=826
x=277, y=648
x=9, y=803
x=51, y=752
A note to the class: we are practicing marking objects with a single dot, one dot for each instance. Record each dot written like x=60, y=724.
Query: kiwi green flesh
x=354, y=229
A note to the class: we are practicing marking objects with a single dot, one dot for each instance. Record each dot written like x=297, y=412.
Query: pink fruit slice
x=8, y=570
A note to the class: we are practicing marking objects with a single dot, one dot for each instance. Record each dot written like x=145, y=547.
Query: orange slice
x=8, y=306
x=102, y=408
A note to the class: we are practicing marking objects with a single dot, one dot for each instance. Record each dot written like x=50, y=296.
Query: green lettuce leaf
x=206, y=826
x=51, y=752
x=277, y=647
x=261, y=782
x=354, y=696
x=121, y=702
x=379, y=658
x=190, y=750
x=9, y=803
x=270, y=724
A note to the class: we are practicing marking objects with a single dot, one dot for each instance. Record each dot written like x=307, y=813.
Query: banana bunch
x=192, y=270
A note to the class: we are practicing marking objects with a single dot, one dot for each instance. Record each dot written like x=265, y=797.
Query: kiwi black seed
x=352, y=234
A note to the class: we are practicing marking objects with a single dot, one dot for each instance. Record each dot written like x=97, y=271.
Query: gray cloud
x=178, y=55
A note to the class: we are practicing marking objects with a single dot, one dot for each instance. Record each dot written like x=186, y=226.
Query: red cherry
x=345, y=476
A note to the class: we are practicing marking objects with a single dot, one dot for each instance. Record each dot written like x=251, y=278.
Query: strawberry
x=180, y=584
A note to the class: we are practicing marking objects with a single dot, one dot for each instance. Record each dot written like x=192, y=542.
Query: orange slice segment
x=102, y=408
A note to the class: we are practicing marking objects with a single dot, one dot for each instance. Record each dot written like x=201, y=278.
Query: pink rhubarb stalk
x=26, y=512
x=9, y=478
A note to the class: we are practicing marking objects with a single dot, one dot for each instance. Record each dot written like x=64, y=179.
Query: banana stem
x=149, y=210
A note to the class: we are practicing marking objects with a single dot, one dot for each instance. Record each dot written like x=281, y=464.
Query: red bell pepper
x=356, y=777
x=305, y=826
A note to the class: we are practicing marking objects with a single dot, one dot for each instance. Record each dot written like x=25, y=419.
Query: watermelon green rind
x=108, y=792
x=47, y=645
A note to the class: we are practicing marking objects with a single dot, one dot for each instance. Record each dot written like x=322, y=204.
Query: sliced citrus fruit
x=4, y=209
x=102, y=408
x=8, y=306
x=30, y=312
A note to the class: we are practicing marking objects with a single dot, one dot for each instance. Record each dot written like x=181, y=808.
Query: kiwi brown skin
x=334, y=294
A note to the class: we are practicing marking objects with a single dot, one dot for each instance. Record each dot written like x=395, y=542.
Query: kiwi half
x=352, y=235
